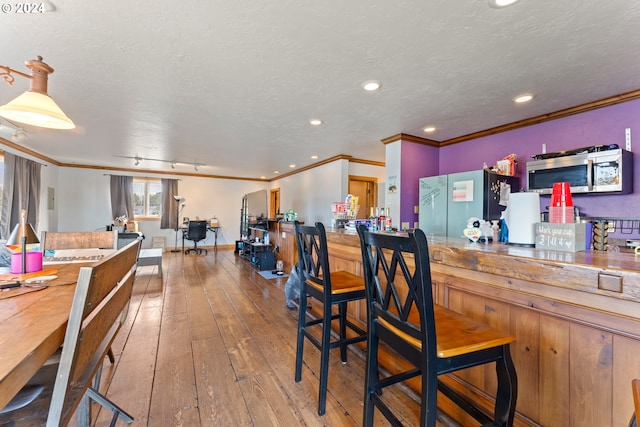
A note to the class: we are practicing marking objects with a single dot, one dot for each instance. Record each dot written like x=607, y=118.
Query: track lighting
x=172, y=163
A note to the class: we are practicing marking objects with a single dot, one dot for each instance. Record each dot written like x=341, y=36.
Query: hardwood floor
x=213, y=344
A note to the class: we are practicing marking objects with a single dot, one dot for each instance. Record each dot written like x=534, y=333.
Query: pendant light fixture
x=34, y=107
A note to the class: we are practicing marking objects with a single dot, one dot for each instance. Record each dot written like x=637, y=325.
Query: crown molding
x=25, y=150
x=583, y=108
x=411, y=138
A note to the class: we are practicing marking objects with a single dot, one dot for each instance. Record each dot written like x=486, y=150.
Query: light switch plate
x=627, y=139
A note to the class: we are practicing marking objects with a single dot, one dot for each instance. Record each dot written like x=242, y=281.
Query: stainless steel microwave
x=609, y=171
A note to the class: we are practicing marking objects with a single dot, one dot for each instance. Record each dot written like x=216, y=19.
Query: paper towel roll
x=523, y=214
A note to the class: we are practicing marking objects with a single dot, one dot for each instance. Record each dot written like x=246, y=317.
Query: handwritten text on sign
x=562, y=237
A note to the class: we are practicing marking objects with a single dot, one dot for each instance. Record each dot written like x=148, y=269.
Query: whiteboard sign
x=560, y=237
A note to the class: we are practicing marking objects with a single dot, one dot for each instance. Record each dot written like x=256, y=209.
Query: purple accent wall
x=417, y=161
x=602, y=126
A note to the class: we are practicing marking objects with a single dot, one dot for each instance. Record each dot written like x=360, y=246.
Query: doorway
x=365, y=187
x=274, y=202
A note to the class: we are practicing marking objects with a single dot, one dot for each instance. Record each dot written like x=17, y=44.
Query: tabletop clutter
x=521, y=224
x=33, y=261
x=564, y=231
x=561, y=209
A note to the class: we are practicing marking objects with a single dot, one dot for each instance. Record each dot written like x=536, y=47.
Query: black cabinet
x=263, y=258
x=255, y=250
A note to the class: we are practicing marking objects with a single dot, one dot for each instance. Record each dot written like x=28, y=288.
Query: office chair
x=196, y=231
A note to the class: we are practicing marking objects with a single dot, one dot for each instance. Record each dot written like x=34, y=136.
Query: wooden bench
x=79, y=240
x=98, y=311
x=152, y=256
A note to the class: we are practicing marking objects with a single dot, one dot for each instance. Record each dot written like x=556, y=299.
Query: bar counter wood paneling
x=576, y=318
x=282, y=237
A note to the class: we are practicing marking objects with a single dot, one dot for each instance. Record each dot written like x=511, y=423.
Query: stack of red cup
x=561, y=207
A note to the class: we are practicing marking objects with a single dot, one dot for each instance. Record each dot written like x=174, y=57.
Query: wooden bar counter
x=575, y=316
x=282, y=236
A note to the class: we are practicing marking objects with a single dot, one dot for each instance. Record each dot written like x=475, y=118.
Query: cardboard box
x=561, y=237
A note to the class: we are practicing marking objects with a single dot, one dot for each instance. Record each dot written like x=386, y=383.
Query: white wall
x=310, y=193
x=83, y=204
x=378, y=172
x=83, y=200
x=48, y=218
x=361, y=169
x=206, y=197
x=393, y=161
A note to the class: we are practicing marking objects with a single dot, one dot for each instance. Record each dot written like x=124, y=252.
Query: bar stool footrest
x=466, y=405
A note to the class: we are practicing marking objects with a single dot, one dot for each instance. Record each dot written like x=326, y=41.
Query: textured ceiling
x=233, y=84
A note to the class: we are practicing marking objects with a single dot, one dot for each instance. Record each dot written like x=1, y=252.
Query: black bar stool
x=434, y=339
x=330, y=288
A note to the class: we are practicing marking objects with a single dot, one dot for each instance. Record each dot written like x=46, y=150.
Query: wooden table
x=33, y=328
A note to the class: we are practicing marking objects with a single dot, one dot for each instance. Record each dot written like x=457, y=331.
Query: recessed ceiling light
x=497, y=4
x=371, y=85
x=314, y=157
x=263, y=177
x=523, y=98
x=429, y=129
x=276, y=171
x=315, y=122
x=292, y=165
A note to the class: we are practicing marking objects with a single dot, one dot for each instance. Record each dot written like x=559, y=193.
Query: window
x=147, y=198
